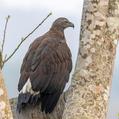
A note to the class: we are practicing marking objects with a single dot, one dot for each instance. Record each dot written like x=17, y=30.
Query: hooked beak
x=71, y=24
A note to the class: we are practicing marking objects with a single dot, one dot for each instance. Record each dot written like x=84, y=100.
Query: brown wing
x=47, y=64
x=51, y=66
x=50, y=69
x=26, y=65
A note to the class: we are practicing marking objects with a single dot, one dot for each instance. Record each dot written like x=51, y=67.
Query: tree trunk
x=5, y=110
x=89, y=91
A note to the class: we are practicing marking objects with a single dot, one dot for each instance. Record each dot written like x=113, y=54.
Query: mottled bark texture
x=5, y=110
x=89, y=92
x=35, y=112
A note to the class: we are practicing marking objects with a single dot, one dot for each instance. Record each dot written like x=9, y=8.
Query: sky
x=25, y=15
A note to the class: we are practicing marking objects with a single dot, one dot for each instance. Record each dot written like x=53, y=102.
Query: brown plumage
x=46, y=68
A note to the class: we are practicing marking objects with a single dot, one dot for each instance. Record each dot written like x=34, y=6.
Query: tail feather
x=49, y=101
x=23, y=99
x=35, y=99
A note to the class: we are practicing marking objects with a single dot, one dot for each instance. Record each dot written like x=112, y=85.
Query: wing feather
x=47, y=64
x=26, y=65
x=50, y=67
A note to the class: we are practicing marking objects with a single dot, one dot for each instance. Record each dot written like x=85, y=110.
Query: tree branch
x=34, y=112
x=23, y=39
x=3, y=42
x=4, y=35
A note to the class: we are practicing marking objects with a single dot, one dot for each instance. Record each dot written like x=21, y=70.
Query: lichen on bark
x=5, y=110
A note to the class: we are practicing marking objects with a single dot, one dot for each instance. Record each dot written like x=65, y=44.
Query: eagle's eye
x=65, y=21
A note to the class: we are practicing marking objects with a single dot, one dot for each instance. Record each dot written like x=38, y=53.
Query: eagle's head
x=62, y=23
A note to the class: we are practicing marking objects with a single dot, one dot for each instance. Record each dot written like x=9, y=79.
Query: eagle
x=45, y=69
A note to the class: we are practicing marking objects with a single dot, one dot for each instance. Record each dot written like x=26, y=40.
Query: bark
x=5, y=110
x=89, y=91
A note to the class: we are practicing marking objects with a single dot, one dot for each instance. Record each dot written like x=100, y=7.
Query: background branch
x=3, y=42
x=4, y=35
x=23, y=39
